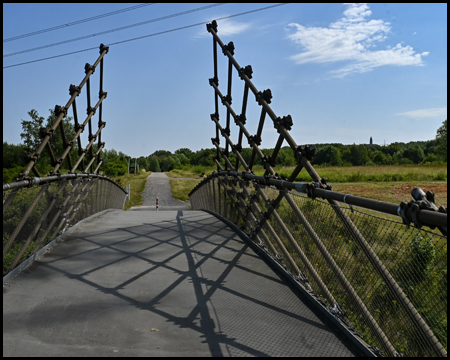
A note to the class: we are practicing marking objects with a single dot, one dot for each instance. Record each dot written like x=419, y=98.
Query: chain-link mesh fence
x=34, y=216
x=387, y=305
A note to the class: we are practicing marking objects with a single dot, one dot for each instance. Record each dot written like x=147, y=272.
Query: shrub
x=115, y=168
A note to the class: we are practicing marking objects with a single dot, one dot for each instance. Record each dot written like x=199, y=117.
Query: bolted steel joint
x=88, y=67
x=214, y=141
x=214, y=117
x=60, y=109
x=264, y=95
x=79, y=126
x=240, y=118
x=214, y=81
x=226, y=99
x=103, y=48
x=237, y=148
x=32, y=156
x=229, y=48
x=310, y=190
x=90, y=109
x=285, y=121
x=212, y=26
x=308, y=151
x=247, y=71
x=43, y=132
x=324, y=185
x=74, y=89
x=257, y=140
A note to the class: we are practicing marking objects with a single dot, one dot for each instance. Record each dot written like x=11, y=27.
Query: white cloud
x=349, y=39
x=425, y=113
x=226, y=27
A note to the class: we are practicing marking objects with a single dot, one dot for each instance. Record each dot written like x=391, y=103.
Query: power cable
x=116, y=29
x=76, y=22
x=145, y=36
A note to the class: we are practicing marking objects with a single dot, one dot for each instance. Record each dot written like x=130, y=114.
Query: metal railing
x=386, y=281
x=38, y=209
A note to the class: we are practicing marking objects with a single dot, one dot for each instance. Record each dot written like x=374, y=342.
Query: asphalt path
x=158, y=187
x=169, y=283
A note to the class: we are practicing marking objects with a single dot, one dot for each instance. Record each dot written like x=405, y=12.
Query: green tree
x=391, y=149
x=32, y=136
x=115, y=168
x=379, y=158
x=414, y=153
x=143, y=163
x=441, y=139
x=13, y=155
x=168, y=163
x=154, y=164
x=31, y=130
x=161, y=153
x=329, y=155
x=356, y=155
x=185, y=151
x=285, y=157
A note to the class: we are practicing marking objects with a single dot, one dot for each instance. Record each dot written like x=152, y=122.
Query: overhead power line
x=116, y=29
x=145, y=36
x=76, y=22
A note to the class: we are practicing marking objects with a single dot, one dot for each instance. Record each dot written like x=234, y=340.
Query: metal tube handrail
x=46, y=179
x=427, y=217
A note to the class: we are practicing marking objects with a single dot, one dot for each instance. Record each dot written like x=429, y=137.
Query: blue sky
x=343, y=72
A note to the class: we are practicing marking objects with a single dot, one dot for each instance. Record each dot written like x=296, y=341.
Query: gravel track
x=158, y=187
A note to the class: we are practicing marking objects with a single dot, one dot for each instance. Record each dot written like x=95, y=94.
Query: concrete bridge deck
x=172, y=283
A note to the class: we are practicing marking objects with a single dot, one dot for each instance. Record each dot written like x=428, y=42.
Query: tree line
x=116, y=163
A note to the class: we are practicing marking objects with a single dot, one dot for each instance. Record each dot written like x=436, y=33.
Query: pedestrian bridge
x=167, y=283
x=254, y=269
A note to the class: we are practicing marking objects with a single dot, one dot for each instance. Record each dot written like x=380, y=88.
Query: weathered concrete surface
x=167, y=283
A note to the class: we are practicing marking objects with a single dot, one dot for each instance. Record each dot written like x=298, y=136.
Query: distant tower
x=371, y=142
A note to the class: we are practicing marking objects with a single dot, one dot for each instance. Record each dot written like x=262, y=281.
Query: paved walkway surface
x=171, y=283
x=158, y=187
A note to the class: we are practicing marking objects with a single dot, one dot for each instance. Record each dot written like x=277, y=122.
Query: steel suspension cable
x=145, y=36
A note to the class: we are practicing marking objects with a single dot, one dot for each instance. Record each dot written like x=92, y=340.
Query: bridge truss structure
x=383, y=279
x=38, y=209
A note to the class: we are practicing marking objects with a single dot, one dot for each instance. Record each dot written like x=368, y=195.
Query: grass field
x=181, y=188
x=137, y=186
x=342, y=174
x=385, y=183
